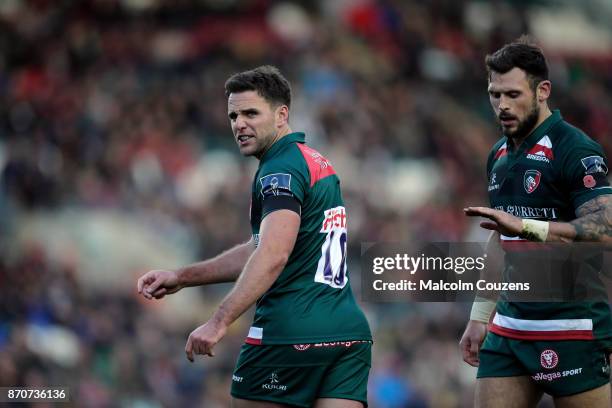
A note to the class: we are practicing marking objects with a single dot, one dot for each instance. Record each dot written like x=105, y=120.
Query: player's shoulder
x=567, y=137
x=288, y=158
x=318, y=166
x=500, y=144
x=564, y=132
x=287, y=164
x=498, y=150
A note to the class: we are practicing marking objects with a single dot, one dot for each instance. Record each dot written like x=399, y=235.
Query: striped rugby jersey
x=311, y=301
x=556, y=170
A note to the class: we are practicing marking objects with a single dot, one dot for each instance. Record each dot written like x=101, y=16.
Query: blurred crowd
x=117, y=106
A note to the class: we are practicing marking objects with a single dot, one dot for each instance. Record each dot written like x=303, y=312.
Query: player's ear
x=543, y=90
x=282, y=115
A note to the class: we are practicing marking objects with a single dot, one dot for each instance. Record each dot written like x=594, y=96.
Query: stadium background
x=116, y=157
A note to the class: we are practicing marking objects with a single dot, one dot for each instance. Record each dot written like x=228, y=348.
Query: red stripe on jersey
x=541, y=335
x=501, y=152
x=250, y=340
x=540, y=150
x=318, y=166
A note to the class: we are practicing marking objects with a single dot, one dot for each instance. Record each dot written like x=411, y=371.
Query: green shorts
x=299, y=374
x=559, y=368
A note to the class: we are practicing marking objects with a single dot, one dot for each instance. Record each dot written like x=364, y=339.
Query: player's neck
x=284, y=131
x=544, y=114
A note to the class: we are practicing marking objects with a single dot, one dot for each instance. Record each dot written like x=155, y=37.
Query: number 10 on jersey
x=331, y=269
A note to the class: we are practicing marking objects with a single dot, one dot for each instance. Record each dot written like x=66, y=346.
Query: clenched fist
x=203, y=339
x=158, y=283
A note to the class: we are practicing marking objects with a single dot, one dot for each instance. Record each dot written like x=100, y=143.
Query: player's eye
x=494, y=95
x=514, y=94
x=232, y=116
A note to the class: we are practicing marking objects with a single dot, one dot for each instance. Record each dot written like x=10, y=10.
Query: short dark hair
x=267, y=80
x=522, y=53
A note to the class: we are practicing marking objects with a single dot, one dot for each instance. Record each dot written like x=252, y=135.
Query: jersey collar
x=540, y=131
x=295, y=137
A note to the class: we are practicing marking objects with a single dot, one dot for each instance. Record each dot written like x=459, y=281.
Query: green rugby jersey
x=311, y=301
x=556, y=170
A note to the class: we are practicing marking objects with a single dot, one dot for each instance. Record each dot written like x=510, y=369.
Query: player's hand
x=203, y=339
x=500, y=221
x=472, y=339
x=158, y=283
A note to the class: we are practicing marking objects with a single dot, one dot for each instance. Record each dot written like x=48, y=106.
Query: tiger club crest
x=531, y=180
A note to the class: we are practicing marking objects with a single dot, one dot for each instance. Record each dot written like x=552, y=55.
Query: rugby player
x=547, y=183
x=310, y=344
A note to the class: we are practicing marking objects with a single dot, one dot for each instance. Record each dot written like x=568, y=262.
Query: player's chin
x=247, y=151
x=509, y=130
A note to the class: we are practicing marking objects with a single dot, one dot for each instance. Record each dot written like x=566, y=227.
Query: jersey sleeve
x=585, y=170
x=281, y=186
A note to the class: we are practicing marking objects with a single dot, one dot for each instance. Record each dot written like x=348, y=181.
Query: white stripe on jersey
x=506, y=238
x=542, y=325
x=255, y=333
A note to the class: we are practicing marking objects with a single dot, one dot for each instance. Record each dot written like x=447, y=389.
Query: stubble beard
x=262, y=144
x=526, y=125
x=252, y=151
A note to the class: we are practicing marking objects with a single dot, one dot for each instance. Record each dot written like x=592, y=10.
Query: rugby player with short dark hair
x=310, y=344
x=547, y=183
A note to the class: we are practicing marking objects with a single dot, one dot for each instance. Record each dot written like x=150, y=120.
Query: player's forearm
x=225, y=267
x=260, y=272
x=591, y=228
x=484, y=303
x=492, y=272
x=594, y=223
